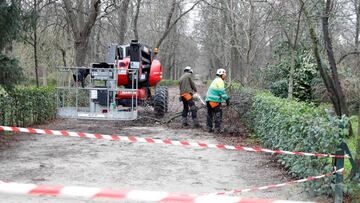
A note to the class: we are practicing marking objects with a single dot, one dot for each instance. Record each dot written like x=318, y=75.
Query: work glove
x=228, y=102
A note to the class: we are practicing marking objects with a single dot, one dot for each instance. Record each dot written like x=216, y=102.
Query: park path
x=56, y=160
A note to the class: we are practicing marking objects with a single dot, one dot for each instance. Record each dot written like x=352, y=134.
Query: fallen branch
x=174, y=116
x=150, y=118
x=178, y=114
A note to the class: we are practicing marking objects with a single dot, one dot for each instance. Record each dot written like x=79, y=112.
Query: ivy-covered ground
x=354, y=123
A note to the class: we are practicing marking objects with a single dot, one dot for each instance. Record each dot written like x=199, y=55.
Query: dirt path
x=55, y=160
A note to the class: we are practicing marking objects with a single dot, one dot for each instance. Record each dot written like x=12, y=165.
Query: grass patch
x=168, y=83
x=351, y=143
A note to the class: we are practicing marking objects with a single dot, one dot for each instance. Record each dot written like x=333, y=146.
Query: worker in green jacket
x=187, y=90
x=215, y=94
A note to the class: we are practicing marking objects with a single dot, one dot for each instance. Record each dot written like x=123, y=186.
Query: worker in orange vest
x=187, y=90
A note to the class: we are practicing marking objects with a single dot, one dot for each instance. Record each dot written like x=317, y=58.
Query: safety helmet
x=156, y=50
x=220, y=71
x=188, y=69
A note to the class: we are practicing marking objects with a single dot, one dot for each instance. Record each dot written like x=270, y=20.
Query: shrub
x=234, y=86
x=206, y=82
x=295, y=126
x=11, y=72
x=27, y=106
x=276, y=76
x=242, y=100
x=298, y=126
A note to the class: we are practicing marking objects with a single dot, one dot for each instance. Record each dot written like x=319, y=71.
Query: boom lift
x=116, y=87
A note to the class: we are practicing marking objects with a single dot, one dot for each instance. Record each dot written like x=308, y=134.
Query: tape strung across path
x=158, y=141
x=278, y=185
x=118, y=194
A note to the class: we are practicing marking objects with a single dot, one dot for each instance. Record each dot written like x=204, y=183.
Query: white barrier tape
x=278, y=185
x=158, y=141
x=120, y=194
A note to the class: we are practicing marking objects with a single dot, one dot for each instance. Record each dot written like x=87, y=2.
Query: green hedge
x=28, y=105
x=296, y=126
x=168, y=82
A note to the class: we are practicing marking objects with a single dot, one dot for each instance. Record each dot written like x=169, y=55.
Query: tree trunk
x=340, y=97
x=36, y=63
x=319, y=64
x=293, y=48
x=81, y=47
x=357, y=157
x=44, y=76
x=357, y=8
x=291, y=73
x=212, y=69
x=223, y=49
x=247, y=66
x=235, y=67
x=235, y=64
x=97, y=48
x=81, y=31
x=91, y=46
x=169, y=25
x=135, y=23
x=123, y=20
x=35, y=45
x=174, y=42
x=63, y=56
x=332, y=84
x=292, y=41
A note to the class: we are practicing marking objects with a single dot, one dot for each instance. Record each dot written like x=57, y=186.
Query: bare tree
x=332, y=82
x=291, y=30
x=81, y=27
x=170, y=24
x=339, y=98
x=357, y=43
x=135, y=22
x=123, y=15
x=235, y=57
x=243, y=29
x=34, y=9
x=212, y=34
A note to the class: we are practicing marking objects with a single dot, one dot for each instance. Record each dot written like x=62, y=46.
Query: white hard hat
x=220, y=71
x=188, y=69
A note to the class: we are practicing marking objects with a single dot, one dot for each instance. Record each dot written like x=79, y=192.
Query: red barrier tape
x=120, y=194
x=279, y=185
x=158, y=141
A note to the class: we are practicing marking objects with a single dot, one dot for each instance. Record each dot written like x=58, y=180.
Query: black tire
x=167, y=99
x=160, y=101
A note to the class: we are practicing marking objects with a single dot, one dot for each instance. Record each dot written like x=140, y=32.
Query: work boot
x=210, y=129
x=184, y=122
x=196, y=123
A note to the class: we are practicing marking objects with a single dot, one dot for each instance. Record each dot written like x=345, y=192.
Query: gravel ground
x=56, y=160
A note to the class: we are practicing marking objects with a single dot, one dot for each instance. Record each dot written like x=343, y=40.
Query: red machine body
x=150, y=76
x=123, y=75
x=155, y=73
x=134, y=70
x=139, y=93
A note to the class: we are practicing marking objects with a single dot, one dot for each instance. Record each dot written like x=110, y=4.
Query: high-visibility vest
x=186, y=96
